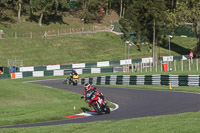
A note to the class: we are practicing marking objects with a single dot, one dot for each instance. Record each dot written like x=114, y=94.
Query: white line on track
x=87, y=114
x=41, y=80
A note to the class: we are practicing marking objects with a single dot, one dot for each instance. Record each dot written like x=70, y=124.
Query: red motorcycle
x=97, y=103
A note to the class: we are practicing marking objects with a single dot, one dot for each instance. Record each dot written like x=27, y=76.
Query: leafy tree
x=58, y=4
x=18, y=6
x=4, y=4
x=41, y=7
x=189, y=11
x=145, y=17
x=91, y=10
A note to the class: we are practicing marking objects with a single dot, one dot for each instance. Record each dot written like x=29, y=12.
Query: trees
x=43, y=7
x=186, y=11
x=189, y=11
x=145, y=17
x=92, y=10
x=3, y=5
x=18, y=6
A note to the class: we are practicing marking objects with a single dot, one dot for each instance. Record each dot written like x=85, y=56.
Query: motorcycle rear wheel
x=74, y=82
x=107, y=109
x=65, y=82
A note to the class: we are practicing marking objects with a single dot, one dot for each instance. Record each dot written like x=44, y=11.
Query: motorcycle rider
x=89, y=90
x=72, y=74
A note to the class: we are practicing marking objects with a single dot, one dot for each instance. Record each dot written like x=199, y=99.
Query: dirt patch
x=112, y=16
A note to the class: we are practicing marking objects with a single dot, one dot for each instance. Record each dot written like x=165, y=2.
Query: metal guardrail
x=174, y=80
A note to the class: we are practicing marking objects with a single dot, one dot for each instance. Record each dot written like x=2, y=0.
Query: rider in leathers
x=89, y=90
x=72, y=74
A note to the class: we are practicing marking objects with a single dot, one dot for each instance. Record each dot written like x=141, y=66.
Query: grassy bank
x=23, y=103
x=181, y=123
x=28, y=103
x=81, y=48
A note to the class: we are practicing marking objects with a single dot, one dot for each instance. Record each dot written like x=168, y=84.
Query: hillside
x=77, y=48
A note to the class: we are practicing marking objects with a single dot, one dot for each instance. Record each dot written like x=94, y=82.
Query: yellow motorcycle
x=75, y=79
x=70, y=80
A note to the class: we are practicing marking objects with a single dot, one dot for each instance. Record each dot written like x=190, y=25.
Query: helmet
x=87, y=86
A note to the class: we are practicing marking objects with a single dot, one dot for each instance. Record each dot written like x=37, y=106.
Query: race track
x=132, y=103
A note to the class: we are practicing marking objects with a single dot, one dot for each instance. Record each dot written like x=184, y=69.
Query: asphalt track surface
x=133, y=103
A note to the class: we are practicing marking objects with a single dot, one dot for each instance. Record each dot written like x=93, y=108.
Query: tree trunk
x=85, y=4
x=124, y=8
x=109, y=7
x=19, y=12
x=198, y=40
x=121, y=8
x=155, y=56
x=41, y=17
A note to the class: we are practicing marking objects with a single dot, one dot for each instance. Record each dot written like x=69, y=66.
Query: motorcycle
x=97, y=103
x=70, y=81
x=75, y=79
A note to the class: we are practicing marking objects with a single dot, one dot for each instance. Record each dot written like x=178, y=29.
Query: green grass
x=28, y=103
x=24, y=29
x=70, y=49
x=181, y=123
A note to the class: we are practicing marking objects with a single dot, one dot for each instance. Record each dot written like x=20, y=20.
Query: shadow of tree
x=6, y=19
x=48, y=19
x=176, y=48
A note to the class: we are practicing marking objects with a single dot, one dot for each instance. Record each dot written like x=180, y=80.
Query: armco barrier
x=59, y=72
x=4, y=76
x=89, y=65
x=175, y=80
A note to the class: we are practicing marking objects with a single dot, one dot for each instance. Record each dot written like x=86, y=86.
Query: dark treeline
x=150, y=19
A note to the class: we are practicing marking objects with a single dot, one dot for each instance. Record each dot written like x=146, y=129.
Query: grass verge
x=27, y=103
x=19, y=105
x=180, y=123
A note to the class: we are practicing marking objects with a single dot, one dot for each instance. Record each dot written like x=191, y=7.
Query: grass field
x=24, y=103
x=181, y=123
x=70, y=49
x=28, y=103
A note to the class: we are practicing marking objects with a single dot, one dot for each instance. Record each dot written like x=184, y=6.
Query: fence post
x=136, y=67
x=58, y=33
x=181, y=65
x=174, y=65
x=156, y=66
x=15, y=35
x=161, y=66
x=132, y=67
x=150, y=67
x=197, y=62
x=31, y=35
x=146, y=67
x=189, y=65
x=70, y=31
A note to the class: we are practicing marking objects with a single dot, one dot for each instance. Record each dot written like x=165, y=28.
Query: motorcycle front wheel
x=98, y=110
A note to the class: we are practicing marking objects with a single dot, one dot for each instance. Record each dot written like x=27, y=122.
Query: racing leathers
x=88, y=94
